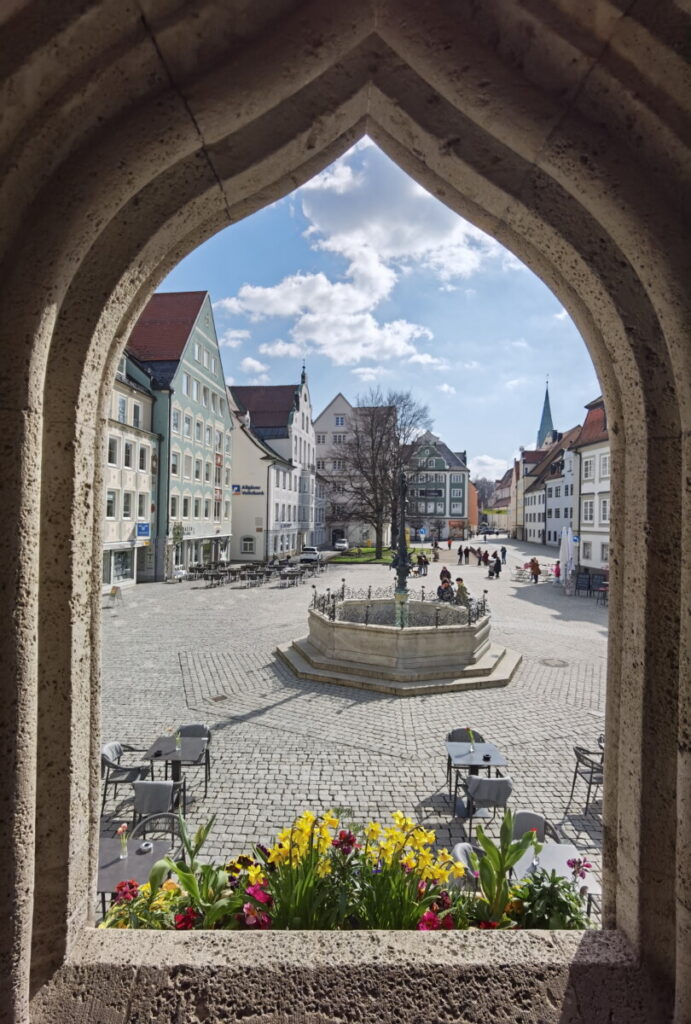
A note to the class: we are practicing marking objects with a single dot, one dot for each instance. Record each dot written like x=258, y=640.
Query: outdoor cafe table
x=190, y=751
x=483, y=755
x=137, y=864
x=554, y=857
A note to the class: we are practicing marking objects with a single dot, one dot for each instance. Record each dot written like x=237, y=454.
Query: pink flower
x=447, y=922
x=429, y=922
x=259, y=893
x=251, y=917
x=421, y=887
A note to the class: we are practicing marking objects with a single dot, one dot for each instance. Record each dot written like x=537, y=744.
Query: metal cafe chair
x=114, y=774
x=589, y=767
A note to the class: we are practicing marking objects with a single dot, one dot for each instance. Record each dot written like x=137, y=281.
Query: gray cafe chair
x=484, y=793
x=114, y=774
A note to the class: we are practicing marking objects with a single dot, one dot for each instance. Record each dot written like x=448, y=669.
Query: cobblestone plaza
x=185, y=653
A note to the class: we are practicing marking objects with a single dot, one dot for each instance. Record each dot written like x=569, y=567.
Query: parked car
x=341, y=544
x=310, y=554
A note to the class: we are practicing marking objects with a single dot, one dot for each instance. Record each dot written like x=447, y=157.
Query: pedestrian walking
x=534, y=567
x=467, y=554
x=449, y=543
x=460, y=554
x=503, y=555
x=485, y=557
x=497, y=567
x=557, y=572
x=479, y=556
x=444, y=574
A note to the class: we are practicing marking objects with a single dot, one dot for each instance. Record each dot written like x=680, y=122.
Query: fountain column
x=401, y=562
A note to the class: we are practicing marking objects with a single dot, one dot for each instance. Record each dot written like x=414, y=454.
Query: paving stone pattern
x=175, y=653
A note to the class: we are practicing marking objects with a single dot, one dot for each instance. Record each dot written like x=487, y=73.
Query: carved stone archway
x=132, y=132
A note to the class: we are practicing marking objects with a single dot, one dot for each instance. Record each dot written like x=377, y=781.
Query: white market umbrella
x=564, y=553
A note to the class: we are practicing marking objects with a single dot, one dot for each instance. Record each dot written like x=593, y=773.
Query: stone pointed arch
x=131, y=134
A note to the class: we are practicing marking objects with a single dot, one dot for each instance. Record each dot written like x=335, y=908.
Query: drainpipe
x=580, y=539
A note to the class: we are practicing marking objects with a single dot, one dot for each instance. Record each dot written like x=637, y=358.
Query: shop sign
x=249, y=490
x=143, y=529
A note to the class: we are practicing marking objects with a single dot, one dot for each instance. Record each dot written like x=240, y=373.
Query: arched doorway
x=134, y=137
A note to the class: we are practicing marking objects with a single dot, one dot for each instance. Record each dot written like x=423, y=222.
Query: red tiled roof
x=269, y=405
x=162, y=330
x=532, y=456
x=594, y=429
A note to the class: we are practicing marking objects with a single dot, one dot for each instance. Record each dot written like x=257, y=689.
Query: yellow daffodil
x=372, y=830
x=255, y=874
x=324, y=867
x=409, y=861
x=330, y=820
x=457, y=870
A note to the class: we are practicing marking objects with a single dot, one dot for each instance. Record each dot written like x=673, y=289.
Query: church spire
x=546, y=426
x=303, y=376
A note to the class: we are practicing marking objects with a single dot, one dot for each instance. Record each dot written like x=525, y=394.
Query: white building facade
x=594, y=461
x=131, y=480
x=282, y=460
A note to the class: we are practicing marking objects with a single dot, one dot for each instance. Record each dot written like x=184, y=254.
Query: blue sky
x=375, y=282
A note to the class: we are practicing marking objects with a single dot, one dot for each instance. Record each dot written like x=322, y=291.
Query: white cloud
x=262, y=378
x=487, y=466
x=339, y=178
x=233, y=337
x=516, y=382
x=230, y=381
x=282, y=348
x=229, y=305
x=347, y=339
x=367, y=374
x=521, y=344
x=561, y=315
x=472, y=365
x=250, y=365
x=447, y=389
x=425, y=359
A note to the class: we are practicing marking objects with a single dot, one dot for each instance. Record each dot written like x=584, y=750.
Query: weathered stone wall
x=134, y=129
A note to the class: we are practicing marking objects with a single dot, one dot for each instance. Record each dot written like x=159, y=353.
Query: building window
x=604, y=465
x=339, y=421
x=226, y=510
x=207, y=435
x=226, y=478
x=143, y=457
x=206, y=358
x=588, y=510
x=338, y=438
x=185, y=508
x=173, y=507
x=213, y=366
x=219, y=441
x=320, y=463
x=338, y=464
x=248, y=545
x=205, y=397
x=188, y=467
x=174, y=463
x=185, y=383
x=227, y=445
x=176, y=421
x=142, y=502
x=198, y=469
x=123, y=565
x=320, y=438
x=197, y=508
x=112, y=451
x=217, y=476
x=557, y=492
x=111, y=504
x=127, y=505
x=604, y=552
x=588, y=468
x=557, y=513
x=549, y=492
x=197, y=351
x=207, y=507
x=128, y=455
x=122, y=409
x=188, y=426
x=199, y=431
x=604, y=510
x=217, y=511
x=586, y=550
x=136, y=415
x=214, y=401
x=195, y=389
x=207, y=473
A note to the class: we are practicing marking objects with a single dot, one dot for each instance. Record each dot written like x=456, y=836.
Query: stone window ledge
x=121, y=976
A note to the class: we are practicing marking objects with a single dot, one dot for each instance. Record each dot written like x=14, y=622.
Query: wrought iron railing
x=369, y=606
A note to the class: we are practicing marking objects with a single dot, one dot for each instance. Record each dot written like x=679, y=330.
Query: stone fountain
x=398, y=644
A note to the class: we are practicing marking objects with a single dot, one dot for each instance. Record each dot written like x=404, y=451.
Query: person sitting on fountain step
x=462, y=595
x=445, y=591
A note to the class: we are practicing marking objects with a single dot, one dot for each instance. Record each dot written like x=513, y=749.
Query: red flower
x=447, y=922
x=346, y=842
x=488, y=924
x=126, y=891
x=185, y=921
x=429, y=922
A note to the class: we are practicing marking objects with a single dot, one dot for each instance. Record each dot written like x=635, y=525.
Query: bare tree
x=485, y=491
x=365, y=468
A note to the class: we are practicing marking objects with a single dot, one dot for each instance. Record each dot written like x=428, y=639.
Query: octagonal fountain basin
x=357, y=643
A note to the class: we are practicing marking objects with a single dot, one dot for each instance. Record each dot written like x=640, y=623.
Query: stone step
x=506, y=662
x=484, y=665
